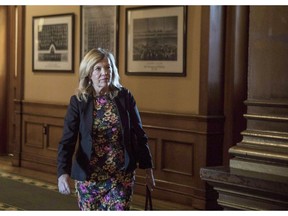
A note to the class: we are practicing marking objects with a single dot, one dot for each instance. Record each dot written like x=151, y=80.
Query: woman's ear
x=89, y=80
x=89, y=75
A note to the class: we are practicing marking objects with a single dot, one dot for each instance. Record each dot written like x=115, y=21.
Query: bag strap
x=148, y=199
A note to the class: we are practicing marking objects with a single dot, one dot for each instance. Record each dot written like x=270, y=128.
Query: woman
x=104, y=117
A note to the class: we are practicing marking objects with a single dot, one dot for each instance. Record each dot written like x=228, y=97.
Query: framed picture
x=156, y=41
x=99, y=28
x=53, y=43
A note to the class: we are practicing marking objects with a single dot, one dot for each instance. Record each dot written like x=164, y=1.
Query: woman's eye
x=97, y=68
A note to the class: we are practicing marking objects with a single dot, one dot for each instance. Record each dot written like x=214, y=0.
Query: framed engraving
x=156, y=41
x=53, y=43
x=99, y=28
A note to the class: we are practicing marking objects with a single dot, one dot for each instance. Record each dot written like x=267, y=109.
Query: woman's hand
x=150, y=181
x=63, y=184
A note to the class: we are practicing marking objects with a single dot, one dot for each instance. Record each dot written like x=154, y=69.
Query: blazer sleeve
x=143, y=151
x=69, y=138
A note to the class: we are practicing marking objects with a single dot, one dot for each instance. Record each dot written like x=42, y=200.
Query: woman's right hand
x=150, y=181
x=63, y=184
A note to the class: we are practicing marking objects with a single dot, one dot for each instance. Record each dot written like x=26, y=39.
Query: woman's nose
x=104, y=71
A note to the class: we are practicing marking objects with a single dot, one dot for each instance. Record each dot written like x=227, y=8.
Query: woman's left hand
x=150, y=181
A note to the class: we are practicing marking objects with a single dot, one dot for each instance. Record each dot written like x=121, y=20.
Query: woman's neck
x=101, y=91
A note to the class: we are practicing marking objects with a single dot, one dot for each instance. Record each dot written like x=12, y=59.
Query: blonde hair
x=94, y=56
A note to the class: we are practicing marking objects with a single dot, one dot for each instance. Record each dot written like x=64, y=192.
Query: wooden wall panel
x=177, y=157
x=153, y=148
x=42, y=126
x=33, y=135
x=178, y=145
x=182, y=144
x=54, y=134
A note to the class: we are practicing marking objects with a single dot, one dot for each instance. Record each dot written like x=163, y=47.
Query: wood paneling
x=33, y=135
x=16, y=59
x=54, y=134
x=178, y=145
x=42, y=126
x=4, y=77
x=182, y=142
x=177, y=157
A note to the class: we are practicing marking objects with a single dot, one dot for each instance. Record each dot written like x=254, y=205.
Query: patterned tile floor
x=28, y=180
x=7, y=207
x=49, y=181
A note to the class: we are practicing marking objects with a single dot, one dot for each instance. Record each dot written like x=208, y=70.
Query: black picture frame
x=156, y=41
x=53, y=43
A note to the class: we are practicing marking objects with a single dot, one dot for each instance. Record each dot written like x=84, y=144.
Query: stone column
x=257, y=175
x=264, y=147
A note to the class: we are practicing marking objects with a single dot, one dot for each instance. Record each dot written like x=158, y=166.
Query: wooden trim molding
x=16, y=80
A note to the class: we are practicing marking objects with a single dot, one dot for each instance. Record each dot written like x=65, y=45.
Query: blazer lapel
x=87, y=113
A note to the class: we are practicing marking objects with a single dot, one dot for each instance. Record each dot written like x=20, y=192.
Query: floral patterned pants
x=111, y=194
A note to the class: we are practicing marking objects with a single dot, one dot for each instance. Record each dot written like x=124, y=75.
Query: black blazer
x=78, y=127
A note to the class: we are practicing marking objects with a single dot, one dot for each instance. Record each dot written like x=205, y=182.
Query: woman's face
x=102, y=75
